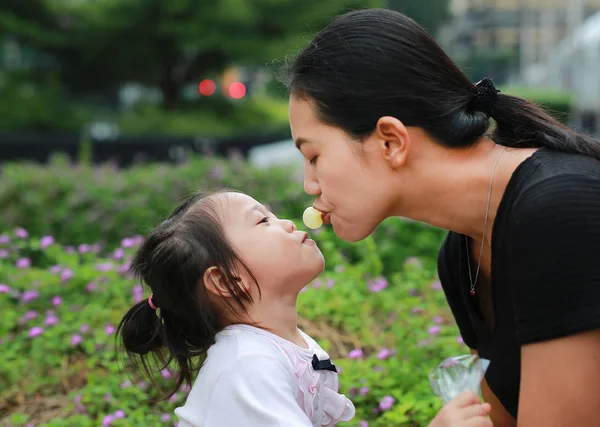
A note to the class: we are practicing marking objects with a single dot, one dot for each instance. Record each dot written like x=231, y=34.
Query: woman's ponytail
x=522, y=124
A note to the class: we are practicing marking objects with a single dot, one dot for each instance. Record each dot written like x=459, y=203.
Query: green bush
x=98, y=205
x=61, y=306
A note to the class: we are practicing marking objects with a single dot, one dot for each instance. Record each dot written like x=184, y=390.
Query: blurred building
x=529, y=28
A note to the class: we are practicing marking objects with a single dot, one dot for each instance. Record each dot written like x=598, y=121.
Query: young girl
x=225, y=274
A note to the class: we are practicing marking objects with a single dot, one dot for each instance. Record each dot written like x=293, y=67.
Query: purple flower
x=118, y=254
x=363, y=391
x=90, y=287
x=51, y=320
x=434, y=330
x=76, y=339
x=386, y=403
x=55, y=269
x=56, y=300
x=119, y=413
x=126, y=383
x=436, y=286
x=317, y=284
x=378, y=284
x=77, y=399
x=21, y=233
x=460, y=340
x=105, y=266
x=4, y=289
x=416, y=310
x=138, y=293
x=109, y=329
x=385, y=353
x=363, y=423
x=4, y=253
x=355, y=354
x=84, y=328
x=46, y=241
x=107, y=421
x=439, y=320
x=165, y=418
x=23, y=263
x=174, y=398
x=69, y=249
x=35, y=331
x=127, y=242
x=66, y=275
x=186, y=388
x=4, y=238
x=30, y=315
x=29, y=296
x=165, y=373
x=84, y=248
x=330, y=283
x=143, y=385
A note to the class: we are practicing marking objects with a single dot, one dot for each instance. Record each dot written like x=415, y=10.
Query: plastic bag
x=457, y=374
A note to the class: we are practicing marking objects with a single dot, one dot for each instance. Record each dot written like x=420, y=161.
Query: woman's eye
x=313, y=160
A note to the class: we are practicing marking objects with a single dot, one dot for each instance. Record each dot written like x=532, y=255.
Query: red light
x=237, y=90
x=207, y=87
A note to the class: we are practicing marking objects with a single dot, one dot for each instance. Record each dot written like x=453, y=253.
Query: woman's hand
x=465, y=410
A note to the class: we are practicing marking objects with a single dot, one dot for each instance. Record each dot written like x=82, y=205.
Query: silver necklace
x=485, y=221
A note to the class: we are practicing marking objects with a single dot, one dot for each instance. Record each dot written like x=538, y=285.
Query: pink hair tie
x=151, y=303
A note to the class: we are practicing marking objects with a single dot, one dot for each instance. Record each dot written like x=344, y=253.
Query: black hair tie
x=486, y=97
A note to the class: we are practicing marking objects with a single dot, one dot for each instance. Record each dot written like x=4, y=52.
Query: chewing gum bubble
x=312, y=218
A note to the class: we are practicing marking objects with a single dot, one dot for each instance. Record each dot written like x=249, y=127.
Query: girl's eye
x=265, y=219
x=313, y=160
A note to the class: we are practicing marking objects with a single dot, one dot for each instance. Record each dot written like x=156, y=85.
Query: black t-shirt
x=545, y=282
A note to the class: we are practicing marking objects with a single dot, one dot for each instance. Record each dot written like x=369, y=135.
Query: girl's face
x=282, y=258
x=350, y=180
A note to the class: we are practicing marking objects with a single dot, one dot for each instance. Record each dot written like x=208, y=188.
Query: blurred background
x=112, y=111
x=150, y=79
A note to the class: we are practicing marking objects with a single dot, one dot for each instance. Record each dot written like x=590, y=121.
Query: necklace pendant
x=472, y=293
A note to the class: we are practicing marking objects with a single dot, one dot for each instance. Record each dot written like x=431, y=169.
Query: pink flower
x=385, y=353
x=438, y=320
x=386, y=403
x=23, y=263
x=378, y=284
x=4, y=289
x=436, y=286
x=119, y=413
x=4, y=253
x=56, y=300
x=21, y=233
x=460, y=340
x=84, y=328
x=35, y=331
x=66, y=275
x=434, y=330
x=76, y=339
x=109, y=329
x=118, y=253
x=84, y=248
x=363, y=391
x=127, y=242
x=355, y=354
x=51, y=320
x=46, y=241
x=29, y=296
x=4, y=238
x=90, y=287
x=165, y=373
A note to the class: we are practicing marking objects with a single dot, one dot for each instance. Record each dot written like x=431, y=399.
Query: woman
x=389, y=126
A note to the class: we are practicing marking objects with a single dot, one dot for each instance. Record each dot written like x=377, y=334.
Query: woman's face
x=349, y=179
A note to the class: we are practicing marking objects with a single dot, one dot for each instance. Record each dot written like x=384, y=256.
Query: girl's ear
x=216, y=282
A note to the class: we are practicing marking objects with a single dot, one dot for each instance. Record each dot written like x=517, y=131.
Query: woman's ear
x=394, y=139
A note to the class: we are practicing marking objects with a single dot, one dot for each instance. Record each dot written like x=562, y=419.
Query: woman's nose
x=311, y=185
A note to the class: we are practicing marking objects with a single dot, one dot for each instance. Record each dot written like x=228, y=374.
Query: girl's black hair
x=172, y=261
x=371, y=63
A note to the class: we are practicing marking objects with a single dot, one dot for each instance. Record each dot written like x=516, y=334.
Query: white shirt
x=252, y=377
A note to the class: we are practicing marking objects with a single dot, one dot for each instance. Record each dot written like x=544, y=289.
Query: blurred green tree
x=168, y=44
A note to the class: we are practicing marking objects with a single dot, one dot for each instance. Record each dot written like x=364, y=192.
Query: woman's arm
x=560, y=382
x=499, y=415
